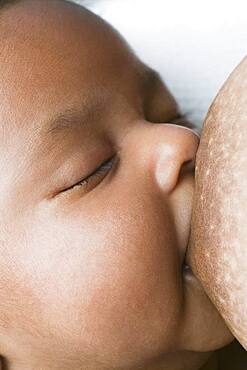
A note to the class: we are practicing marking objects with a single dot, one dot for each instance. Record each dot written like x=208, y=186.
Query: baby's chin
x=217, y=250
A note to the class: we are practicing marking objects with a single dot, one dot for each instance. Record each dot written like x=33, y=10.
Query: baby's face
x=92, y=274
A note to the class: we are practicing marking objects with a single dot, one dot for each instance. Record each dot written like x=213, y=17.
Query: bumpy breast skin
x=217, y=250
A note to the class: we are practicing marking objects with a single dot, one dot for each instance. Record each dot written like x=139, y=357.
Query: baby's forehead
x=57, y=29
x=60, y=58
x=55, y=56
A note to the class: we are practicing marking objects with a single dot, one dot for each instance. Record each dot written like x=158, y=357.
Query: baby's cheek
x=131, y=295
x=115, y=293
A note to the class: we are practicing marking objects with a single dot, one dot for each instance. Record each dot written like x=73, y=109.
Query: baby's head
x=92, y=273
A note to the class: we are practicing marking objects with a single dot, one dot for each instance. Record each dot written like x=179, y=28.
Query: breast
x=218, y=243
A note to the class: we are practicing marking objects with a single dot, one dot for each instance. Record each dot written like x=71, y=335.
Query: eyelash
x=105, y=166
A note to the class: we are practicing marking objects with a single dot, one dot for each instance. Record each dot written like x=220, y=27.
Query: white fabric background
x=194, y=44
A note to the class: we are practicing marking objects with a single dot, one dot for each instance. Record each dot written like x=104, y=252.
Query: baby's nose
x=158, y=152
x=176, y=147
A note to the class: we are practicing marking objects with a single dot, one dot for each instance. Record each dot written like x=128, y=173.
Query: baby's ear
x=160, y=106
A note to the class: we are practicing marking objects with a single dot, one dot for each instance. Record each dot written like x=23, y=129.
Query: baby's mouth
x=185, y=266
x=186, y=269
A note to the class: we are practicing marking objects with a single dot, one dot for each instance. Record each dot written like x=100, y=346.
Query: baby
x=96, y=201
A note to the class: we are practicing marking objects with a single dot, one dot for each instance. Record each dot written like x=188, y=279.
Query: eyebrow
x=72, y=118
x=90, y=109
x=65, y=121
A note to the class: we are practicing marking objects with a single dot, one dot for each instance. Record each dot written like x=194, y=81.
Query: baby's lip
x=186, y=247
x=186, y=266
x=183, y=251
x=185, y=255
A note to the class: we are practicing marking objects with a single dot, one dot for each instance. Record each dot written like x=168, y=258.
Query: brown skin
x=92, y=278
x=217, y=250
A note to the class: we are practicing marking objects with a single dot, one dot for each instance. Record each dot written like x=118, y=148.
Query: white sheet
x=193, y=44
